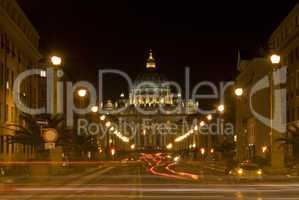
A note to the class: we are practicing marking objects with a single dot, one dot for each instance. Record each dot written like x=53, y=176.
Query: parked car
x=247, y=171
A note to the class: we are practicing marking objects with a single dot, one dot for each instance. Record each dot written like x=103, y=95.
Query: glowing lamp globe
x=55, y=60
x=50, y=135
x=275, y=59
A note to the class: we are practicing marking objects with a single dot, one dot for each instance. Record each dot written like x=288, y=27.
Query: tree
x=30, y=133
x=26, y=135
x=227, y=149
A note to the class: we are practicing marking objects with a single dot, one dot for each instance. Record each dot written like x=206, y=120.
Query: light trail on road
x=184, y=174
x=160, y=161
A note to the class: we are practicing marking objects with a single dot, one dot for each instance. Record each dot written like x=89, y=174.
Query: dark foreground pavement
x=137, y=181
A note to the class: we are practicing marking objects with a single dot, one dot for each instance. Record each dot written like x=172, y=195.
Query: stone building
x=19, y=42
x=285, y=41
x=253, y=137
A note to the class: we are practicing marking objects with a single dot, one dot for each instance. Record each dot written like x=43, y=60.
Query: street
x=151, y=178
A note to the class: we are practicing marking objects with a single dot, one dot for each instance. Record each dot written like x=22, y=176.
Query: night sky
x=118, y=33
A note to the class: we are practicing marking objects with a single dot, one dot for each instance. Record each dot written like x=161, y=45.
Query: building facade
x=18, y=52
x=253, y=137
x=285, y=41
x=154, y=128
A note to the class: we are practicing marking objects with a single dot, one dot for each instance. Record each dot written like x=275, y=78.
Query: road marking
x=91, y=196
x=84, y=178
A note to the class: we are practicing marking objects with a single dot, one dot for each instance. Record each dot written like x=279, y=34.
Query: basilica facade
x=150, y=127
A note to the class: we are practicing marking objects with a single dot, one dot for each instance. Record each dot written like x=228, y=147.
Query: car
x=247, y=171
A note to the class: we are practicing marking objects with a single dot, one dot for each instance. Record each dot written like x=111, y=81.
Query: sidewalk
x=68, y=175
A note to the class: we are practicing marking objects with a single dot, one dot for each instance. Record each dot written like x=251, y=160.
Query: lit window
x=7, y=85
x=43, y=73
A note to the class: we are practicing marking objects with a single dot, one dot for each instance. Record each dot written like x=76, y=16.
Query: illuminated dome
x=150, y=76
x=149, y=87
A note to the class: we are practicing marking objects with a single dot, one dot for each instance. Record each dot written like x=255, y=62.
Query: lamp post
x=55, y=63
x=221, y=109
x=277, y=155
x=82, y=94
x=239, y=137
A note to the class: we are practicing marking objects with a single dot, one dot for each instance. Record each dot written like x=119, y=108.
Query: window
x=7, y=144
x=291, y=59
x=1, y=144
x=12, y=78
x=1, y=70
x=12, y=114
x=13, y=148
x=43, y=73
x=297, y=53
x=6, y=113
x=7, y=85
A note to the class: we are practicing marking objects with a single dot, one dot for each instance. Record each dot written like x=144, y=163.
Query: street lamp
x=277, y=156
x=169, y=146
x=144, y=132
x=221, y=108
x=113, y=152
x=239, y=92
x=108, y=124
x=56, y=60
x=103, y=117
x=264, y=149
x=275, y=59
x=209, y=117
x=202, y=124
x=94, y=109
x=132, y=146
x=202, y=151
x=82, y=92
x=176, y=159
